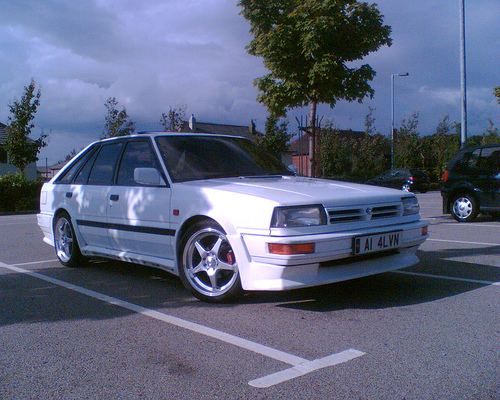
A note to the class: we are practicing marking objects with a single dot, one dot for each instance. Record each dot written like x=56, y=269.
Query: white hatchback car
x=223, y=216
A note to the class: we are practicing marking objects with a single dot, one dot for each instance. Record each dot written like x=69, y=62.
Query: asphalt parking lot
x=114, y=330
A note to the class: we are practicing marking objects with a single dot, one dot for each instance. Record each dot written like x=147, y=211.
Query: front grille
x=349, y=215
x=385, y=212
x=345, y=215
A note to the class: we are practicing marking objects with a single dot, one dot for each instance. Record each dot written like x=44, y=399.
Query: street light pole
x=392, y=115
x=463, y=73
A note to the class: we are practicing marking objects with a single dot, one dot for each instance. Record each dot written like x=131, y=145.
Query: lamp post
x=392, y=115
x=463, y=74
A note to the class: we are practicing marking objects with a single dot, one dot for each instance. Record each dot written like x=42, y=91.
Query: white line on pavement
x=301, y=363
x=462, y=242
x=450, y=278
x=305, y=368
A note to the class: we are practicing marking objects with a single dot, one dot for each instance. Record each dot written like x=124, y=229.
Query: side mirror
x=148, y=176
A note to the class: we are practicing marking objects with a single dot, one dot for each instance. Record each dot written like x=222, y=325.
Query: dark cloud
x=154, y=54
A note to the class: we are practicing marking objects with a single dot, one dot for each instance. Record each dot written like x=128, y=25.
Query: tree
x=497, y=94
x=116, y=121
x=443, y=145
x=174, y=119
x=309, y=47
x=275, y=140
x=407, y=147
x=20, y=148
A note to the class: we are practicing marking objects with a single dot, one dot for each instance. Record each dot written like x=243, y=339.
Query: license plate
x=378, y=242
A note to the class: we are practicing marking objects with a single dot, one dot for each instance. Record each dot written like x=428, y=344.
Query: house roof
x=194, y=126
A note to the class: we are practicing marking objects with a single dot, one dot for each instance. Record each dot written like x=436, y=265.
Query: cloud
x=154, y=54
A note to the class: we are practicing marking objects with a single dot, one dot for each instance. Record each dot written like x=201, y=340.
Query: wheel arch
x=64, y=210
x=188, y=224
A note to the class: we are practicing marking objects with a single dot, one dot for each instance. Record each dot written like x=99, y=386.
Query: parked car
x=404, y=179
x=223, y=216
x=471, y=183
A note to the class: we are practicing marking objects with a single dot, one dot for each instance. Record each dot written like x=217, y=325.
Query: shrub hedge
x=17, y=194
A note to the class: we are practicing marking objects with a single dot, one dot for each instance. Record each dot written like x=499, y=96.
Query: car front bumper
x=332, y=261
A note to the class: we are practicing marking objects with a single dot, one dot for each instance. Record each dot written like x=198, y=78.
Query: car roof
x=157, y=134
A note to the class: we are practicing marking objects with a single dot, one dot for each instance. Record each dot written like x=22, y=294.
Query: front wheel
x=208, y=267
x=65, y=243
x=464, y=208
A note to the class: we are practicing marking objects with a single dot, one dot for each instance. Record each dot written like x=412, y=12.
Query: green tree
x=20, y=148
x=442, y=146
x=173, y=120
x=497, y=93
x=275, y=140
x=407, y=146
x=309, y=47
x=117, y=122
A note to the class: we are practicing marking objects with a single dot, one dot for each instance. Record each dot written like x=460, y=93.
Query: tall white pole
x=463, y=74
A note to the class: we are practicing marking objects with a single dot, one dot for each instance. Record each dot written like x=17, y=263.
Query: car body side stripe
x=129, y=228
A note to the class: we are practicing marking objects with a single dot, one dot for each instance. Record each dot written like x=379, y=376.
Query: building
x=5, y=166
x=193, y=126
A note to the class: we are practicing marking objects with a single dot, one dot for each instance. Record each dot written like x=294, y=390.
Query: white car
x=223, y=216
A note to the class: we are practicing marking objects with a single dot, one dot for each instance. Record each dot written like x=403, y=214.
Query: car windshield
x=191, y=157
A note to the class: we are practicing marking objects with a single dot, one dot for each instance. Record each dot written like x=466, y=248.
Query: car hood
x=299, y=190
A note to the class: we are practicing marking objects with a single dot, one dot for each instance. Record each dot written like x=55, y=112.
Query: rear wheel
x=464, y=208
x=65, y=243
x=208, y=268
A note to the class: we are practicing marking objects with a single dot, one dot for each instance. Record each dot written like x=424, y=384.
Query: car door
x=487, y=176
x=139, y=212
x=86, y=196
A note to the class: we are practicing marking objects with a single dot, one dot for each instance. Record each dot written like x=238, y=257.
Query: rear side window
x=103, y=168
x=490, y=158
x=75, y=167
x=474, y=159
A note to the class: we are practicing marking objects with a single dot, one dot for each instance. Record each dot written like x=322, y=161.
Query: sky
x=155, y=54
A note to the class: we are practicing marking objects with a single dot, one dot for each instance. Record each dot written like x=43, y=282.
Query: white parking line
x=449, y=278
x=301, y=365
x=305, y=368
x=462, y=242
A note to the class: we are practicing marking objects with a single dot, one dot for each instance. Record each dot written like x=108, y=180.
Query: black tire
x=464, y=208
x=207, y=265
x=65, y=242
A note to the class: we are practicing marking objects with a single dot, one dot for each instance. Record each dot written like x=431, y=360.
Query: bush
x=18, y=194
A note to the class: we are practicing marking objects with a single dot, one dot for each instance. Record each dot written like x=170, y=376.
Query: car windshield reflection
x=190, y=158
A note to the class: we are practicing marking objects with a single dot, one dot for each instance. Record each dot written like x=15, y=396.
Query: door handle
x=114, y=197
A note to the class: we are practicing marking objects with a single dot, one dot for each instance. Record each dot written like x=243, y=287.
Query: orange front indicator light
x=290, y=249
x=424, y=230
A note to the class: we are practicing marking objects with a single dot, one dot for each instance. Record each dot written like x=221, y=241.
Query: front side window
x=137, y=154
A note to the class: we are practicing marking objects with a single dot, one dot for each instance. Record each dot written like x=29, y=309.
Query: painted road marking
x=305, y=368
x=462, y=242
x=301, y=364
x=450, y=278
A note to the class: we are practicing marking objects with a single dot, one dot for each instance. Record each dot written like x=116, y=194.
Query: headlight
x=410, y=206
x=297, y=216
